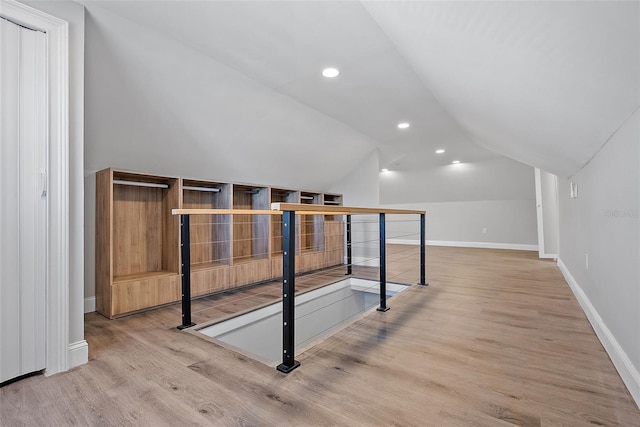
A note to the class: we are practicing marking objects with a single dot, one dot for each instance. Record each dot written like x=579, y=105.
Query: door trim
x=57, y=346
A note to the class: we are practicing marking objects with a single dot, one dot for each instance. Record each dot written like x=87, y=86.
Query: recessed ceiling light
x=455, y=162
x=440, y=151
x=385, y=170
x=330, y=72
x=403, y=125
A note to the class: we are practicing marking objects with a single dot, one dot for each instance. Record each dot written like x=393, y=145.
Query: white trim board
x=486, y=245
x=89, y=305
x=57, y=32
x=78, y=353
x=628, y=372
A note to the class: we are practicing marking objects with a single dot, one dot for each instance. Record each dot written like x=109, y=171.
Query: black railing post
x=383, y=266
x=288, y=292
x=185, y=250
x=349, y=258
x=423, y=232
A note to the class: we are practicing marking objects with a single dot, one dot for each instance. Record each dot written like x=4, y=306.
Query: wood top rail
x=278, y=208
x=340, y=210
x=221, y=212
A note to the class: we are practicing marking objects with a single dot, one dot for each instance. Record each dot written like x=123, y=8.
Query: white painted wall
x=73, y=13
x=603, y=222
x=155, y=105
x=462, y=200
x=361, y=188
x=509, y=223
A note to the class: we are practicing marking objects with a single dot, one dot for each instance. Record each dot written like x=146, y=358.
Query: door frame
x=542, y=250
x=57, y=265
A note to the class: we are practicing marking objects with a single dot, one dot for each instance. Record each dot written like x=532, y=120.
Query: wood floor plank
x=496, y=339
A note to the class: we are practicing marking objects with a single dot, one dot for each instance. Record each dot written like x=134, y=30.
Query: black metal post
x=349, y=258
x=288, y=292
x=383, y=266
x=423, y=232
x=185, y=250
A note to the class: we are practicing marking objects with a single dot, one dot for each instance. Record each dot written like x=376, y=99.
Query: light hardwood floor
x=497, y=339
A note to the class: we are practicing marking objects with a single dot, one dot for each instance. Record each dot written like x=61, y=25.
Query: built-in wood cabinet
x=138, y=239
x=210, y=235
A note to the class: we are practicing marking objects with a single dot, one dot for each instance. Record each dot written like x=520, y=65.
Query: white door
x=23, y=208
x=547, y=214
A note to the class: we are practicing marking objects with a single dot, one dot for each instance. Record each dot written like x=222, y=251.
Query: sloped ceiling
x=545, y=83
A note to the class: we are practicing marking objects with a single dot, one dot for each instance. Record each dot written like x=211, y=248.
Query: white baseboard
x=78, y=354
x=486, y=245
x=90, y=305
x=621, y=361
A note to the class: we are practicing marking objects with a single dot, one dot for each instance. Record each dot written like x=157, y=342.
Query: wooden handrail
x=305, y=209
x=221, y=212
x=337, y=210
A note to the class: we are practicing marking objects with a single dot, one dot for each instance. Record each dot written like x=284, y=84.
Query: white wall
x=603, y=224
x=462, y=200
x=361, y=188
x=74, y=14
x=510, y=224
x=154, y=105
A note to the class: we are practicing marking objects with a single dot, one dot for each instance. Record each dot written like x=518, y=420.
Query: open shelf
x=331, y=199
x=250, y=232
x=144, y=231
x=206, y=266
x=311, y=226
x=142, y=276
x=279, y=195
x=210, y=234
x=138, y=256
x=137, y=238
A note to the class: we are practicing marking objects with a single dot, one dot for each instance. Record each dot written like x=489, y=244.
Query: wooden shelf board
x=247, y=259
x=142, y=276
x=207, y=266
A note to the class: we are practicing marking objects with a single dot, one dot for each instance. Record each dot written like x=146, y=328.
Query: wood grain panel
x=253, y=271
x=137, y=229
x=210, y=280
x=277, y=196
x=210, y=234
x=132, y=295
x=496, y=339
x=242, y=227
x=171, y=199
x=104, y=241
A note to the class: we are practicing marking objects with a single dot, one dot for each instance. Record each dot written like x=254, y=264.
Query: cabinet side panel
x=242, y=227
x=104, y=211
x=171, y=227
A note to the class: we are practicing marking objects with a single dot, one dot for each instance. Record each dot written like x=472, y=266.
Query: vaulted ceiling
x=545, y=83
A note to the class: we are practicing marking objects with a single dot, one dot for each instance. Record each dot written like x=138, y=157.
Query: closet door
x=23, y=211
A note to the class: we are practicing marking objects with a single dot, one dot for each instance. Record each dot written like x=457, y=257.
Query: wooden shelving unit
x=279, y=195
x=311, y=226
x=211, y=242
x=330, y=199
x=138, y=239
x=250, y=232
x=333, y=232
